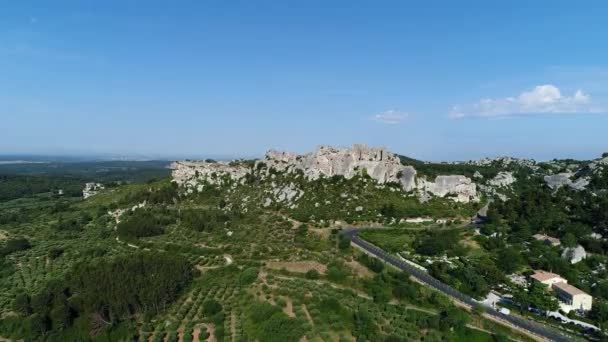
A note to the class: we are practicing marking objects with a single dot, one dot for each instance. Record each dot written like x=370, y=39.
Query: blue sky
x=433, y=80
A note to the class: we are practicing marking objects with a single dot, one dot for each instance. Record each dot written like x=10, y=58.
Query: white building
x=572, y=298
x=547, y=278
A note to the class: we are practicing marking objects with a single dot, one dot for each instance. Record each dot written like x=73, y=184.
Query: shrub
x=211, y=307
x=142, y=223
x=312, y=274
x=15, y=245
x=248, y=276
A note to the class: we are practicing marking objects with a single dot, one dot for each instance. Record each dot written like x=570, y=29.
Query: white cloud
x=391, y=117
x=542, y=99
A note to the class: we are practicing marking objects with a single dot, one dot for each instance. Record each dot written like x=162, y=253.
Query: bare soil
x=297, y=266
x=288, y=309
x=305, y=309
x=211, y=332
x=359, y=269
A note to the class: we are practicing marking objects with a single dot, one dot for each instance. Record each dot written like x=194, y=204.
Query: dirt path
x=288, y=309
x=359, y=269
x=233, y=326
x=196, y=333
x=180, y=333
x=305, y=309
x=211, y=332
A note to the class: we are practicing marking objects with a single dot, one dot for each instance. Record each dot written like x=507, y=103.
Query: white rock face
x=502, y=179
x=504, y=161
x=189, y=173
x=460, y=188
x=380, y=164
x=564, y=179
x=328, y=161
x=599, y=165
x=575, y=254
x=91, y=189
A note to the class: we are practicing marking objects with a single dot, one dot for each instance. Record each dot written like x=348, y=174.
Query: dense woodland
x=17, y=186
x=103, y=294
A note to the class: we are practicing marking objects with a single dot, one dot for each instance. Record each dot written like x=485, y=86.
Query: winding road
x=519, y=322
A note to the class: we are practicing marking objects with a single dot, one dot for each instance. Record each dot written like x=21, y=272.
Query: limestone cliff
x=380, y=164
x=328, y=161
x=564, y=179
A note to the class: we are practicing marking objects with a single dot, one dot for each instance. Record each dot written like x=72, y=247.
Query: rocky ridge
x=376, y=162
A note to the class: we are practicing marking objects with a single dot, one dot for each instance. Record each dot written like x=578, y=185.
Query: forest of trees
x=16, y=186
x=104, y=293
x=143, y=223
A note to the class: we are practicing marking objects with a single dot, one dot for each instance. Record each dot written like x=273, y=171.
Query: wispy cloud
x=391, y=117
x=542, y=99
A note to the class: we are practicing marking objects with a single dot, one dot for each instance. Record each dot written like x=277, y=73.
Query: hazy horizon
x=106, y=156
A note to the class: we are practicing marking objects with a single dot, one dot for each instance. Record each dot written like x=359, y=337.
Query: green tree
x=336, y=272
x=509, y=259
x=343, y=242
x=40, y=324
x=405, y=290
x=61, y=315
x=211, y=307
x=21, y=305
x=312, y=274
x=599, y=313
x=248, y=276
x=365, y=327
x=453, y=319
x=537, y=296
x=569, y=240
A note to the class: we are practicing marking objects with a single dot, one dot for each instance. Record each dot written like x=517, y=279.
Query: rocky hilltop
x=327, y=161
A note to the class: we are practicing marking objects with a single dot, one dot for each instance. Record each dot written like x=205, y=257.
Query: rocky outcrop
x=564, y=179
x=574, y=255
x=328, y=161
x=504, y=162
x=91, y=189
x=287, y=194
x=191, y=173
x=376, y=162
x=502, y=179
x=598, y=165
x=459, y=188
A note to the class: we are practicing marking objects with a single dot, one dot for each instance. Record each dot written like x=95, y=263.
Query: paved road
x=424, y=277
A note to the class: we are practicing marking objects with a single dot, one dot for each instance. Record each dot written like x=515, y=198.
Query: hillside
x=251, y=250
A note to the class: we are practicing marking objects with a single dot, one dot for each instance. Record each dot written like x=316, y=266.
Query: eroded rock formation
x=380, y=164
x=564, y=179
x=328, y=161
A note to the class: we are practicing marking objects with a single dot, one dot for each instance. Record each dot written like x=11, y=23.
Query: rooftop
x=541, y=275
x=543, y=237
x=569, y=289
